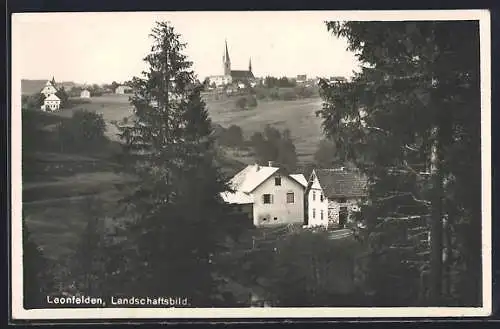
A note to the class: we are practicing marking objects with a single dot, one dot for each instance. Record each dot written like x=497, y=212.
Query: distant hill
x=30, y=87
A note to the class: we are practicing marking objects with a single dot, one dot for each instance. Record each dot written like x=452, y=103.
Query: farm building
x=51, y=103
x=268, y=195
x=332, y=196
x=85, y=94
x=123, y=90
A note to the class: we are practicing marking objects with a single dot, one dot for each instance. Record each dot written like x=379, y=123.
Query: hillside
x=298, y=116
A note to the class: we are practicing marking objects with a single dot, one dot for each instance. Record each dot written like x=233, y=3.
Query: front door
x=342, y=217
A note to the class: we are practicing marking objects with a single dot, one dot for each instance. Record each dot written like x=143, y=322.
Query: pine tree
x=411, y=121
x=179, y=219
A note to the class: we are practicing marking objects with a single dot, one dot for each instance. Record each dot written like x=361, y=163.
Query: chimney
x=257, y=167
x=270, y=163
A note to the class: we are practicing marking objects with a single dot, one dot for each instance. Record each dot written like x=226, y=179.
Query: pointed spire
x=250, y=65
x=53, y=81
x=227, y=53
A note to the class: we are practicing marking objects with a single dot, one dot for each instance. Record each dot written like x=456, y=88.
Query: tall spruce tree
x=179, y=220
x=411, y=121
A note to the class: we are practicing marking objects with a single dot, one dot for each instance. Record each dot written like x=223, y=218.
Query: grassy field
x=298, y=116
x=55, y=185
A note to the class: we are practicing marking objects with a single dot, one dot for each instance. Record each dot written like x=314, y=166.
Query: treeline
x=285, y=94
x=269, y=145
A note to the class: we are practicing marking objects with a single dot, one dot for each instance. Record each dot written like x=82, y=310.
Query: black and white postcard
x=251, y=164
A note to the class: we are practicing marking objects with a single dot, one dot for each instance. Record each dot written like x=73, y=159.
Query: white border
x=19, y=313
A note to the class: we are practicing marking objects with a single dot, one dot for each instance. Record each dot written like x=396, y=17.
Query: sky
x=106, y=47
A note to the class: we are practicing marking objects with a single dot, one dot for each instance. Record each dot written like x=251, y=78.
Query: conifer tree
x=179, y=220
x=411, y=121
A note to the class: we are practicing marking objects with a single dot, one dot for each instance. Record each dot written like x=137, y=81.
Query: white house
x=123, y=90
x=333, y=195
x=51, y=103
x=268, y=195
x=85, y=94
x=220, y=80
x=49, y=89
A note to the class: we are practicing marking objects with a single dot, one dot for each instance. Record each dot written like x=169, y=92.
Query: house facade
x=122, y=90
x=49, y=89
x=271, y=196
x=51, y=103
x=85, y=94
x=333, y=196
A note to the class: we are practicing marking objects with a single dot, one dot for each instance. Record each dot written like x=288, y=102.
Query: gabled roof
x=251, y=177
x=241, y=74
x=248, y=179
x=52, y=97
x=300, y=179
x=341, y=183
x=237, y=197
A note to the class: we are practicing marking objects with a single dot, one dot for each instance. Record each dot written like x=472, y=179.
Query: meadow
x=56, y=185
x=298, y=116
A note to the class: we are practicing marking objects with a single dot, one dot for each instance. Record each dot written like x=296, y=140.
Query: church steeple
x=227, y=54
x=250, y=65
x=227, y=62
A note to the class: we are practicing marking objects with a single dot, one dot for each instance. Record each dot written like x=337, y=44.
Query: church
x=235, y=77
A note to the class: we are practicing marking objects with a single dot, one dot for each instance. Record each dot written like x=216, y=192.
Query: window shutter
x=263, y=198
x=272, y=198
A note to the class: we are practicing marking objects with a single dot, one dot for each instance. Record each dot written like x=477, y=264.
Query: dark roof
x=227, y=54
x=242, y=74
x=341, y=183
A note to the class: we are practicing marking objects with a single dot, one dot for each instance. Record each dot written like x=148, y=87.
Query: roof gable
x=299, y=178
x=341, y=183
x=252, y=176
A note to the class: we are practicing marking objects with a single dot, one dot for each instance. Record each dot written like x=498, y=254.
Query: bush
x=246, y=102
x=85, y=130
x=241, y=103
x=233, y=136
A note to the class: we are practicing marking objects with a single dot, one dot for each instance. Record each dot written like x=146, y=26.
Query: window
x=275, y=218
x=290, y=197
x=321, y=214
x=342, y=200
x=267, y=198
x=314, y=195
x=321, y=197
x=277, y=181
x=314, y=213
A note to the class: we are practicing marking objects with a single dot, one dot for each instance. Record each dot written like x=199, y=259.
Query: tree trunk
x=436, y=222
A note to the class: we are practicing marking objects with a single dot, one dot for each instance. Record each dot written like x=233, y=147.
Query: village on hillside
x=244, y=189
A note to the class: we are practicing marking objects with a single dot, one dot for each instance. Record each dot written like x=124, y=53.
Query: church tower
x=227, y=62
x=250, y=65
